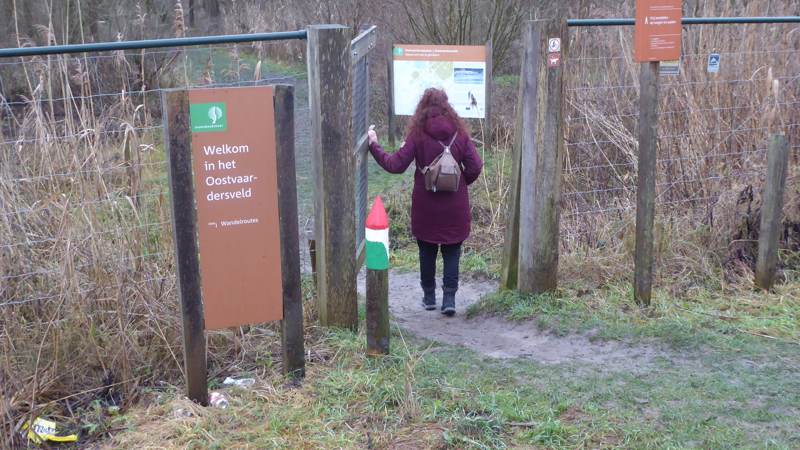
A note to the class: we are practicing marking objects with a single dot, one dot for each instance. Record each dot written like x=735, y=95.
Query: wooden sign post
x=533, y=232
x=657, y=38
x=234, y=205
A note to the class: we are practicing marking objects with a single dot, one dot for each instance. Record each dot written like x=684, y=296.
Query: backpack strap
x=447, y=147
x=446, y=150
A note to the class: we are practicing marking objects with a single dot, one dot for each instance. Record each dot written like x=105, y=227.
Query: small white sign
x=713, y=63
x=554, y=45
x=670, y=68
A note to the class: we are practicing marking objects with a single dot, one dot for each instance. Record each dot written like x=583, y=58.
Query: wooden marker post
x=542, y=154
x=292, y=324
x=184, y=225
x=772, y=211
x=646, y=183
x=377, y=261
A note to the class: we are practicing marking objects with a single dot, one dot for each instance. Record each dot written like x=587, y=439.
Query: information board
x=658, y=29
x=236, y=195
x=459, y=70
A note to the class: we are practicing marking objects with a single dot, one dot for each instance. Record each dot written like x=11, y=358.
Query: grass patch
x=703, y=317
x=424, y=396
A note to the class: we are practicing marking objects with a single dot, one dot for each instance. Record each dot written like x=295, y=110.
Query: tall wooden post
x=330, y=102
x=772, y=211
x=179, y=151
x=646, y=182
x=542, y=155
x=292, y=324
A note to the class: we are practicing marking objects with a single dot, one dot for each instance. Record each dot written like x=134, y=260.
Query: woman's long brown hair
x=434, y=102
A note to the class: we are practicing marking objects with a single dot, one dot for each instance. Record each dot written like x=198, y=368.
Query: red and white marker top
x=377, y=218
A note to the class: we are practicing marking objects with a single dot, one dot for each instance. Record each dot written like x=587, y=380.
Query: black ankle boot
x=449, y=302
x=429, y=300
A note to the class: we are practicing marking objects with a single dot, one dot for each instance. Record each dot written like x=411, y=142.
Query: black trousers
x=451, y=253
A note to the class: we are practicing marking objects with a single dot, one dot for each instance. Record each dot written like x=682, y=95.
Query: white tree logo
x=214, y=113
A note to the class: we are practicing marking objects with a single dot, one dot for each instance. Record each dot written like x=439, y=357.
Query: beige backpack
x=444, y=173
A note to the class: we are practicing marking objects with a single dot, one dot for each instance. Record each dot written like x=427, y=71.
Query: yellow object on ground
x=45, y=430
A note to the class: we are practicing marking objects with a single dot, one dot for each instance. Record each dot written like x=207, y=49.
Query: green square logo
x=208, y=117
x=398, y=51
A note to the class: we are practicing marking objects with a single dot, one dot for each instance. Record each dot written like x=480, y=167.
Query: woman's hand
x=371, y=135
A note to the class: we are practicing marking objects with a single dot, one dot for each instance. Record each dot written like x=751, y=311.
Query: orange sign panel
x=236, y=193
x=658, y=30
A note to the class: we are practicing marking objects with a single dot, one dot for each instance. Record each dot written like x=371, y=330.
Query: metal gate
x=360, y=48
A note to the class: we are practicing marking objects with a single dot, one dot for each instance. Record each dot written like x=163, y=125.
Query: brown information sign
x=236, y=192
x=658, y=30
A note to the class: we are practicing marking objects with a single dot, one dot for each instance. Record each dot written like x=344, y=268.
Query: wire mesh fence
x=712, y=133
x=84, y=201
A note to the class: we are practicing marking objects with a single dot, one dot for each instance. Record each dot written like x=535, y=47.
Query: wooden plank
x=330, y=102
x=363, y=44
x=184, y=226
x=390, y=113
x=772, y=211
x=377, y=312
x=487, y=121
x=646, y=183
x=292, y=323
x=542, y=159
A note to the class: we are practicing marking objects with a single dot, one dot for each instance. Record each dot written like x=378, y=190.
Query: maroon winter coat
x=436, y=217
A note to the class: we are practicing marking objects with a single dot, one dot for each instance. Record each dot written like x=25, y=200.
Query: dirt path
x=500, y=338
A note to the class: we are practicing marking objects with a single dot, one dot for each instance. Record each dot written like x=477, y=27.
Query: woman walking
x=440, y=211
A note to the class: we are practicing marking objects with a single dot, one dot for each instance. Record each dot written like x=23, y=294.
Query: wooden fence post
x=377, y=312
x=292, y=324
x=646, y=182
x=542, y=156
x=330, y=102
x=184, y=226
x=772, y=211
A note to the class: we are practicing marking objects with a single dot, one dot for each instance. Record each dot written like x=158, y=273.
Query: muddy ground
x=500, y=338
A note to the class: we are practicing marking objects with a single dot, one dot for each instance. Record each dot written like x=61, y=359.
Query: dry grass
x=88, y=306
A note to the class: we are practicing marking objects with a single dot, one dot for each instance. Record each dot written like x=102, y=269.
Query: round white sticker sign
x=554, y=45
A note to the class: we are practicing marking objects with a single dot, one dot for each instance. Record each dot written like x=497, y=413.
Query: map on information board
x=459, y=70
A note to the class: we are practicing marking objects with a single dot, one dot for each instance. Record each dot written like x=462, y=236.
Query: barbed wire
x=92, y=203
x=86, y=236
x=683, y=55
x=676, y=136
x=84, y=291
x=84, y=134
x=688, y=110
x=275, y=79
x=665, y=160
x=81, y=266
x=683, y=83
